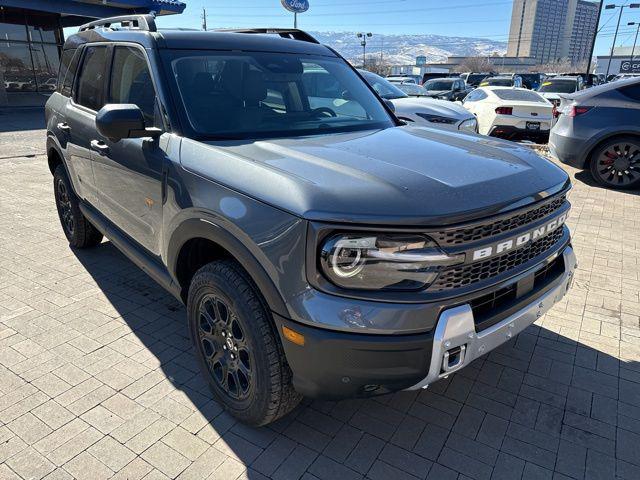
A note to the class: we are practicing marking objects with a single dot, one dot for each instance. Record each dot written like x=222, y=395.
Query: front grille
x=495, y=306
x=456, y=277
x=459, y=236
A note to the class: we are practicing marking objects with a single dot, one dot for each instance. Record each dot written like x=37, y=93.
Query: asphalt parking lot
x=97, y=377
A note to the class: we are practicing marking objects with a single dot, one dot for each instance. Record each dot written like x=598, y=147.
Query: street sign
x=628, y=66
x=296, y=6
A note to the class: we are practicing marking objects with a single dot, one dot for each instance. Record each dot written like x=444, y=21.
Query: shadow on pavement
x=585, y=177
x=540, y=404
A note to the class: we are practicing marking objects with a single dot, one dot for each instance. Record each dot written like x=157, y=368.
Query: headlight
x=437, y=118
x=470, y=125
x=383, y=262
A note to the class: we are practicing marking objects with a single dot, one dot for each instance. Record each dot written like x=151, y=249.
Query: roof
x=200, y=40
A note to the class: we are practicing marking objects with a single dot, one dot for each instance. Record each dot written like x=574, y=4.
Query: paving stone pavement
x=98, y=380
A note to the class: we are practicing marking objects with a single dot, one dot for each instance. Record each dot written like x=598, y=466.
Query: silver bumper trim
x=456, y=342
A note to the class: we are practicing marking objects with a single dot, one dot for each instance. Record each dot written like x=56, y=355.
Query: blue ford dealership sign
x=296, y=6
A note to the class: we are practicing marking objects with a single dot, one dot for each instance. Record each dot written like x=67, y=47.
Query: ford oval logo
x=296, y=6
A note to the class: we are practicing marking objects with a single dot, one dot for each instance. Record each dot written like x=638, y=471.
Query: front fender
x=207, y=227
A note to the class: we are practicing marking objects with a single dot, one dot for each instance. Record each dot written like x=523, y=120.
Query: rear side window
x=68, y=67
x=475, y=96
x=92, y=78
x=631, y=92
x=131, y=82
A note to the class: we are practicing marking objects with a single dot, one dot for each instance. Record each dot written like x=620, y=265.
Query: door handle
x=64, y=126
x=99, y=146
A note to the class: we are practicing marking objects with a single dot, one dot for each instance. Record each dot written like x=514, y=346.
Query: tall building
x=550, y=30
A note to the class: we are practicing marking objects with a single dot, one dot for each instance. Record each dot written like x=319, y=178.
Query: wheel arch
x=198, y=241
x=54, y=155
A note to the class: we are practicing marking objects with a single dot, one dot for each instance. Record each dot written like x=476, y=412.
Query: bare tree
x=562, y=65
x=378, y=65
x=474, y=64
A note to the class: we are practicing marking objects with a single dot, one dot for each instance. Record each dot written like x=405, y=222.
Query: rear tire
x=79, y=231
x=237, y=346
x=616, y=163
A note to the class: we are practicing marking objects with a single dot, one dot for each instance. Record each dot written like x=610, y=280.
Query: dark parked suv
x=322, y=248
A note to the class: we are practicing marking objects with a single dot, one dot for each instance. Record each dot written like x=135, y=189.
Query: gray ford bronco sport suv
x=322, y=248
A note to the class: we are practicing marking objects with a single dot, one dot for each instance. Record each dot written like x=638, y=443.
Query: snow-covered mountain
x=403, y=49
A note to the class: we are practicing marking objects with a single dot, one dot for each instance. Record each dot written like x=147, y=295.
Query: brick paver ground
x=97, y=377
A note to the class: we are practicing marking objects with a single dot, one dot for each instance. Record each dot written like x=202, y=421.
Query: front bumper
x=334, y=365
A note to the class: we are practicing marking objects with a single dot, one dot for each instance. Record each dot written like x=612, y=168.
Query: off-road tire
x=79, y=231
x=270, y=394
x=619, y=149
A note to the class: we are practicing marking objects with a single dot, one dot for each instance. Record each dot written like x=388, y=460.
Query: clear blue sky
x=470, y=18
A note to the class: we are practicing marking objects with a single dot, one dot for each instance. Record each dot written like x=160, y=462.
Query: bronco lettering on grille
x=520, y=240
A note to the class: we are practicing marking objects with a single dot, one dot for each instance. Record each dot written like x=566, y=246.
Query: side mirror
x=118, y=121
x=389, y=104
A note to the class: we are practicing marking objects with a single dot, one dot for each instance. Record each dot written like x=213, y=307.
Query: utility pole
x=615, y=36
x=593, y=41
x=633, y=50
x=204, y=19
x=363, y=41
x=295, y=20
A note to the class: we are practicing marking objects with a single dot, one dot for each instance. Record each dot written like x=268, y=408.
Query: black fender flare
x=203, y=228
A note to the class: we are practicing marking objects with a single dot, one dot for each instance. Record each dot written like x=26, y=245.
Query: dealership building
x=31, y=38
x=622, y=61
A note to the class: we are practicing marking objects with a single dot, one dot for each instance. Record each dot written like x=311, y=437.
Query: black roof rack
x=128, y=22
x=292, y=33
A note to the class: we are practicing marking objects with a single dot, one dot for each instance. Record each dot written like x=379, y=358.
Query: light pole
x=633, y=50
x=363, y=41
x=611, y=6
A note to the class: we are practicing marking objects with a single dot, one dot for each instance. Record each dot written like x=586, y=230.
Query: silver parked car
x=599, y=129
x=434, y=113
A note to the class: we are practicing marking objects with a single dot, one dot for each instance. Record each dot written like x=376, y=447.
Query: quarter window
x=131, y=82
x=92, y=78
x=68, y=67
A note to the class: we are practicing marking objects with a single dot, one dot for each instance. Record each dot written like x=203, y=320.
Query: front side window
x=258, y=94
x=131, y=82
x=92, y=78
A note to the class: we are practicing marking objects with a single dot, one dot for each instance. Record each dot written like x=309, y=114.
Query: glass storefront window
x=16, y=67
x=45, y=66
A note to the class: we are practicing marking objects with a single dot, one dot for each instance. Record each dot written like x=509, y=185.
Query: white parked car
x=511, y=113
x=421, y=110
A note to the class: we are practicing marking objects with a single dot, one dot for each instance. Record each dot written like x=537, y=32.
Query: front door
x=129, y=172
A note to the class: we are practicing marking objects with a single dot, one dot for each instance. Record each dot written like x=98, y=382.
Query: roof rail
x=292, y=33
x=132, y=22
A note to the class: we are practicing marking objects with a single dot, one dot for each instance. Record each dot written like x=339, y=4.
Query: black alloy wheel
x=237, y=344
x=63, y=201
x=616, y=164
x=79, y=231
x=223, y=343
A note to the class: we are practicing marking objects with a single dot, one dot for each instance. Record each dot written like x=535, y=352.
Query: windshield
x=497, y=82
x=383, y=87
x=239, y=95
x=475, y=78
x=438, y=84
x=412, y=89
x=558, y=86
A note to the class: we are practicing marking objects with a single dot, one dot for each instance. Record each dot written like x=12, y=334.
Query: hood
x=410, y=176
x=445, y=108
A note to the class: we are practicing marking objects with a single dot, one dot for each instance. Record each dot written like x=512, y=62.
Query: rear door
x=79, y=119
x=129, y=172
